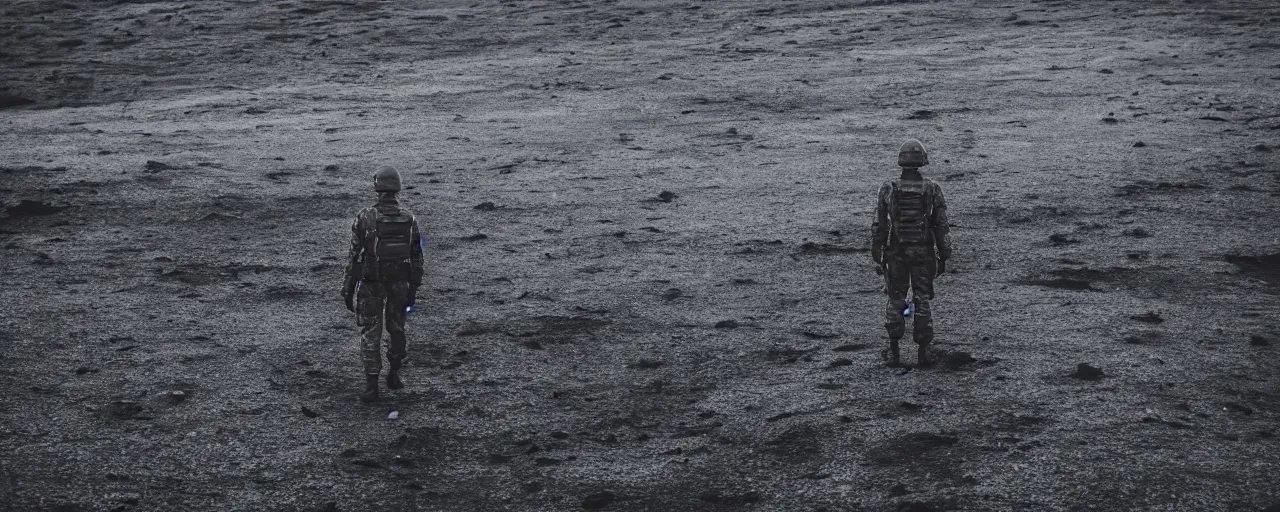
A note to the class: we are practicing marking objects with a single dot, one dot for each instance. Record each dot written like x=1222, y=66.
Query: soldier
x=384, y=270
x=910, y=222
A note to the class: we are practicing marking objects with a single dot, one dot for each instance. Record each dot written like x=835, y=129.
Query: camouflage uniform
x=384, y=271
x=910, y=223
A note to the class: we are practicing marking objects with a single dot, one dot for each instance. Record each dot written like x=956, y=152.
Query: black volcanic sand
x=649, y=284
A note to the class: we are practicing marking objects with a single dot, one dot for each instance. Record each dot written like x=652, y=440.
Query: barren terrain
x=649, y=285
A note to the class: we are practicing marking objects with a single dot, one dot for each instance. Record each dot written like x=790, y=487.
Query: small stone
x=178, y=395
x=598, y=500
x=667, y=196
x=1259, y=340
x=485, y=206
x=1139, y=144
x=1086, y=372
x=309, y=413
x=842, y=361
x=154, y=166
x=899, y=490
x=1149, y=317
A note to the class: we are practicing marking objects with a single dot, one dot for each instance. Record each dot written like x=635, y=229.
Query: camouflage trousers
x=378, y=306
x=915, y=275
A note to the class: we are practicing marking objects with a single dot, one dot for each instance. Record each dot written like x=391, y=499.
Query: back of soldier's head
x=387, y=179
x=912, y=154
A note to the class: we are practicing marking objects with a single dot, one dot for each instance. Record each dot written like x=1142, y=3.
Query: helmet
x=912, y=154
x=387, y=179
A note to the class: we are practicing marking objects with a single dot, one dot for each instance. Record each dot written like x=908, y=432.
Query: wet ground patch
x=1265, y=267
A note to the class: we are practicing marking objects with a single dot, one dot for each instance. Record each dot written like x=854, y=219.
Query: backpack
x=389, y=252
x=911, y=206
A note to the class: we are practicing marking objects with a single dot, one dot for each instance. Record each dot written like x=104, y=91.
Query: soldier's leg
x=370, y=303
x=897, y=279
x=922, y=274
x=397, y=298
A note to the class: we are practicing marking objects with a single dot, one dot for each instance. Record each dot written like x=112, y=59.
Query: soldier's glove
x=942, y=267
x=349, y=298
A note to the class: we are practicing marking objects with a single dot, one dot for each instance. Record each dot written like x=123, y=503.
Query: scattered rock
x=843, y=361
x=1139, y=144
x=1110, y=120
x=1086, y=372
x=177, y=396
x=672, y=293
x=532, y=345
x=85, y=369
x=1263, y=148
x=1142, y=338
x=916, y=506
x=1063, y=283
x=29, y=208
x=349, y=452
x=646, y=364
x=532, y=486
x=1235, y=407
x=1138, y=232
x=124, y=409
x=727, y=324
x=666, y=196
x=1106, y=71
x=922, y=114
x=155, y=166
x=899, y=490
x=1171, y=423
x=498, y=458
x=475, y=237
x=309, y=413
x=598, y=500
x=779, y=416
x=1258, y=340
x=851, y=347
x=910, y=406
x=560, y=434
x=1061, y=239
x=1150, y=317
x=485, y=206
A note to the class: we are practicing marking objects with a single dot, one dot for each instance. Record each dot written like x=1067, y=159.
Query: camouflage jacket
x=882, y=225
x=363, y=231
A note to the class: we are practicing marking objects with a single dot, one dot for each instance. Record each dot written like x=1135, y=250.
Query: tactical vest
x=910, y=213
x=388, y=253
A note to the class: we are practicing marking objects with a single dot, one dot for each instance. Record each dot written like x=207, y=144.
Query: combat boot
x=922, y=356
x=393, y=376
x=370, y=389
x=892, y=354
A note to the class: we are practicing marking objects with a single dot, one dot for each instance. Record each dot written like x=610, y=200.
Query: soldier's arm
x=880, y=225
x=415, y=252
x=939, y=224
x=354, y=256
